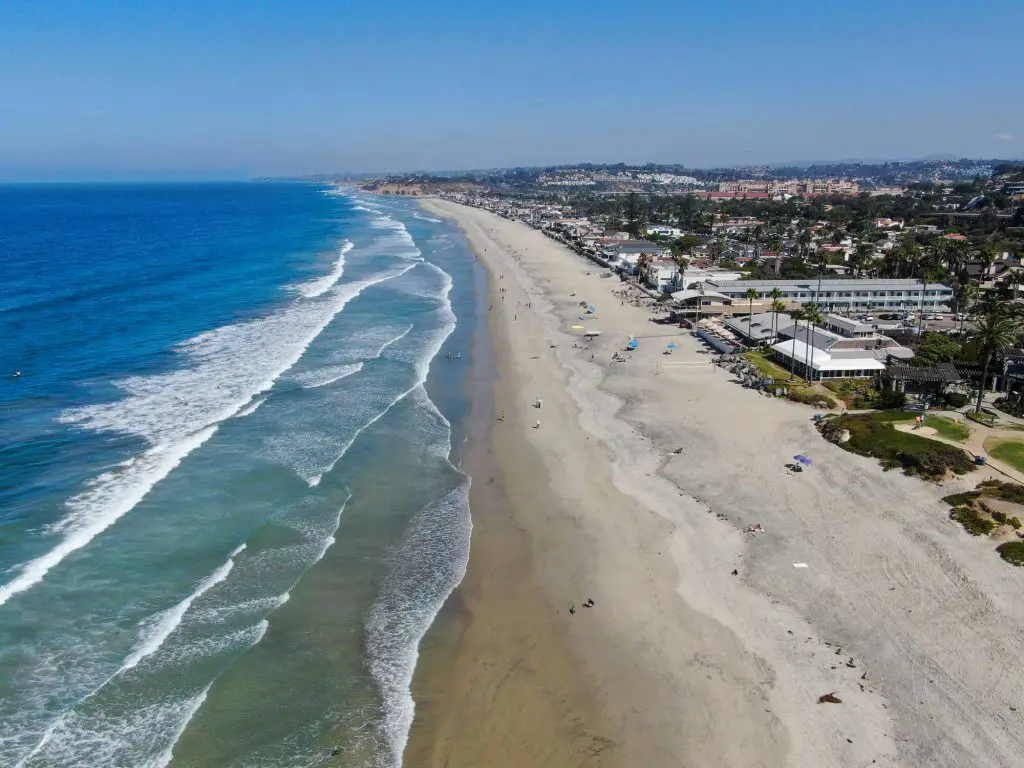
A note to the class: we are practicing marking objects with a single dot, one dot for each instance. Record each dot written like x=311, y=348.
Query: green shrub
x=873, y=434
x=999, y=517
x=959, y=499
x=999, y=489
x=1014, y=522
x=1011, y=407
x=856, y=393
x=953, y=400
x=1012, y=552
x=809, y=397
x=974, y=525
x=891, y=399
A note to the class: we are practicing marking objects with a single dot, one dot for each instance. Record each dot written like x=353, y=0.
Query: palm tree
x=861, y=256
x=998, y=325
x=812, y=314
x=987, y=257
x=641, y=265
x=777, y=306
x=751, y=294
x=804, y=240
x=797, y=315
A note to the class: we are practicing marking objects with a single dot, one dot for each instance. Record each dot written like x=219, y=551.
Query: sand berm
x=916, y=627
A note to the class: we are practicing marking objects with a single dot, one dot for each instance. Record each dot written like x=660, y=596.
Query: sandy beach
x=706, y=645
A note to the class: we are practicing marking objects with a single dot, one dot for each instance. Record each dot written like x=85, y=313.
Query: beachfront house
x=626, y=254
x=698, y=301
x=661, y=275
x=693, y=275
x=824, y=354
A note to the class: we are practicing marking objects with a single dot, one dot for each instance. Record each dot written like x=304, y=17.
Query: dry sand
x=916, y=626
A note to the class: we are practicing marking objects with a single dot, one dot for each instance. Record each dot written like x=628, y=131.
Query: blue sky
x=226, y=88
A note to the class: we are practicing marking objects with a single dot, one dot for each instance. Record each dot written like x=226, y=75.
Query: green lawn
x=945, y=427
x=948, y=428
x=1010, y=451
x=768, y=367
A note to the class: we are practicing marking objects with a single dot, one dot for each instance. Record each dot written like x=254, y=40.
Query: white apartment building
x=831, y=294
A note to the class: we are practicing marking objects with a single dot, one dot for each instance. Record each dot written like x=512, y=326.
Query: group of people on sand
x=589, y=603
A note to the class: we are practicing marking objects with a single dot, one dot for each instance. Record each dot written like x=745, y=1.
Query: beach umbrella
x=591, y=309
x=633, y=344
x=803, y=459
x=672, y=345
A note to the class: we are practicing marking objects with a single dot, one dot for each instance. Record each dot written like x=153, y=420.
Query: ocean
x=230, y=501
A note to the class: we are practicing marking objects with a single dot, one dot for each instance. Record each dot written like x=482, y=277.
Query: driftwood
x=829, y=698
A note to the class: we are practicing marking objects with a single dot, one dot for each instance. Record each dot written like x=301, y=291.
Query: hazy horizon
x=231, y=90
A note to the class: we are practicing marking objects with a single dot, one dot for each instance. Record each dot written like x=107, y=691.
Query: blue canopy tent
x=633, y=344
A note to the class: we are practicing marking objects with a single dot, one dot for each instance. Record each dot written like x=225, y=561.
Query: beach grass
x=1008, y=451
x=1012, y=552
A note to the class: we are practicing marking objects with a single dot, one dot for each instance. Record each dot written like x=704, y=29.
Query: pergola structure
x=933, y=380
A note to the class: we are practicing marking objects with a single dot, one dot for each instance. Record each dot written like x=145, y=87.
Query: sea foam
x=178, y=411
x=428, y=564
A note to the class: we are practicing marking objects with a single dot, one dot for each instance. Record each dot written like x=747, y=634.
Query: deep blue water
x=228, y=509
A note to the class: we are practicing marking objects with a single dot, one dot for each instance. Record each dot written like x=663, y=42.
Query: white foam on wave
x=422, y=355
x=208, y=647
x=323, y=284
x=250, y=408
x=321, y=377
x=188, y=711
x=428, y=565
x=398, y=241
x=163, y=624
x=426, y=218
x=108, y=497
x=254, y=605
x=178, y=411
x=151, y=638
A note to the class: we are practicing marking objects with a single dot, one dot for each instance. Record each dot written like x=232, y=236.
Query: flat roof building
x=844, y=294
x=824, y=354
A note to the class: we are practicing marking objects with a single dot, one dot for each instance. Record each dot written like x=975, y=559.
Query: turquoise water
x=229, y=507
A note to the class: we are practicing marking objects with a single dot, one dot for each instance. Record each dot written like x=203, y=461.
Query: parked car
x=961, y=315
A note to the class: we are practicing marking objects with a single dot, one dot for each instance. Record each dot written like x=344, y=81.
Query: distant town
x=881, y=273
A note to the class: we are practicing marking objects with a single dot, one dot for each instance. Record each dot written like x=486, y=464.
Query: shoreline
x=689, y=662
x=492, y=616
